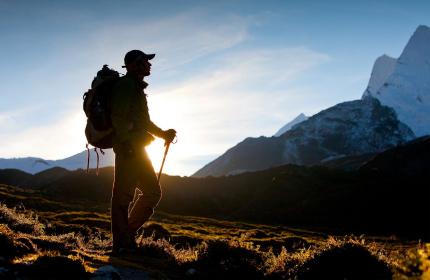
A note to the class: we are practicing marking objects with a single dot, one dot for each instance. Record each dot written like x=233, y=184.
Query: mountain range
x=349, y=128
x=394, y=108
x=79, y=161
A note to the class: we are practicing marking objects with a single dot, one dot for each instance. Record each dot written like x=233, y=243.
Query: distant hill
x=47, y=176
x=411, y=160
x=15, y=177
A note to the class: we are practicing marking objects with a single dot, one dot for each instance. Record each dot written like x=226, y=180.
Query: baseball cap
x=134, y=55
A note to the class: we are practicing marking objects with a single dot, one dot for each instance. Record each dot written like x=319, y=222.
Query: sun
x=155, y=152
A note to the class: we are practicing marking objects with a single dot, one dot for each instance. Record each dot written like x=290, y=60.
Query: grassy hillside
x=46, y=244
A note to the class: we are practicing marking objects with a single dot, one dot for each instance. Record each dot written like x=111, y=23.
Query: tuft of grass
x=414, y=265
x=424, y=261
x=165, y=250
x=21, y=221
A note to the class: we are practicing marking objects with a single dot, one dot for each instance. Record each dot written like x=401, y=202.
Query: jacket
x=130, y=114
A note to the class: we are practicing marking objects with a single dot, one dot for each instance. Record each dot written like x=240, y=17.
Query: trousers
x=135, y=194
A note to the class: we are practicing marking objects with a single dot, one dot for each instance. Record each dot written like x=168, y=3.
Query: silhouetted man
x=133, y=129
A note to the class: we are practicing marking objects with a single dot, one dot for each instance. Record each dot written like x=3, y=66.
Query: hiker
x=133, y=129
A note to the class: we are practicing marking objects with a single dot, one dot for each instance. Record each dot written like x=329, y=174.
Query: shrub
x=219, y=259
x=348, y=261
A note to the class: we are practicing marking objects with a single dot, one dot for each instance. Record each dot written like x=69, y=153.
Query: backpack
x=97, y=108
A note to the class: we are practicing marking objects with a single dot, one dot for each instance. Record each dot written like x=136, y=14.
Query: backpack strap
x=88, y=157
x=98, y=159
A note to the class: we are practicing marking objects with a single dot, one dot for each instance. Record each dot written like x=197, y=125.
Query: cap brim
x=147, y=56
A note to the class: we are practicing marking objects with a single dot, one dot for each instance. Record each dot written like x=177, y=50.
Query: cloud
x=177, y=39
x=68, y=69
x=14, y=120
x=5, y=119
x=50, y=141
x=253, y=80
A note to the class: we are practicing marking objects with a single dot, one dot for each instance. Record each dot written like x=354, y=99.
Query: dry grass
x=21, y=221
x=199, y=248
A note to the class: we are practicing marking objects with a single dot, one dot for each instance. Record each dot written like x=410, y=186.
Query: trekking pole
x=162, y=163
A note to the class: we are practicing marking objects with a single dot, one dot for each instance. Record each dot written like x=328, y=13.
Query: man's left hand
x=169, y=135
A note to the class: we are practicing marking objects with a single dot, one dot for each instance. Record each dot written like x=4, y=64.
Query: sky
x=223, y=70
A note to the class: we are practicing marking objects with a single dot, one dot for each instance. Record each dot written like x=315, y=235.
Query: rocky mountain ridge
x=349, y=128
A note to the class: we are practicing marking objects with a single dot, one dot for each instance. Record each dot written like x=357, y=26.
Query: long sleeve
x=149, y=125
x=130, y=114
x=154, y=129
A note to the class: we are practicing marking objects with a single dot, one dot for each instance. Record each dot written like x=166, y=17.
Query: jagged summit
x=417, y=49
x=289, y=125
x=423, y=28
x=404, y=83
x=382, y=69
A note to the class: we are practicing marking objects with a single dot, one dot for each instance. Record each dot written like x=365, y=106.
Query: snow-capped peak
x=290, y=124
x=405, y=86
x=417, y=50
x=382, y=69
